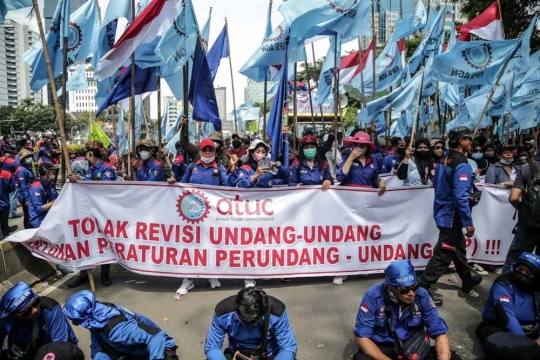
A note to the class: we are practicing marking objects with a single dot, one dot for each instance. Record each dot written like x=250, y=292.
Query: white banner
x=201, y=231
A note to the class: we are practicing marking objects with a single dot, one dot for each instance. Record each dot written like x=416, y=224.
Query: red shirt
x=238, y=153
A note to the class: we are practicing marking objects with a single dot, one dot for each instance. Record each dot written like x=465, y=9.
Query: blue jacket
x=100, y=171
x=371, y=321
x=7, y=185
x=281, y=340
x=309, y=176
x=41, y=193
x=45, y=155
x=359, y=175
x=213, y=175
x=452, y=190
x=389, y=162
x=53, y=326
x=179, y=167
x=510, y=307
x=8, y=164
x=152, y=170
x=242, y=178
x=23, y=179
x=379, y=158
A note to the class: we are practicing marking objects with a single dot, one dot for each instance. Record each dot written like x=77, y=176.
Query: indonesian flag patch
x=463, y=177
x=504, y=298
x=364, y=308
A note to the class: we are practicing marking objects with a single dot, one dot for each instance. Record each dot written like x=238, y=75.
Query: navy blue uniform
x=281, y=340
x=24, y=178
x=45, y=155
x=152, y=170
x=100, y=171
x=214, y=174
x=7, y=185
x=242, y=178
x=179, y=167
x=359, y=175
x=41, y=193
x=390, y=162
x=313, y=176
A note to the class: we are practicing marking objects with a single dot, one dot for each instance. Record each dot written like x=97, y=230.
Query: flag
x=487, y=25
x=152, y=22
x=521, y=60
x=121, y=133
x=274, y=124
x=9, y=5
x=164, y=120
x=408, y=26
x=528, y=116
x=350, y=65
x=145, y=81
x=117, y=9
x=202, y=95
x=170, y=134
x=139, y=121
x=328, y=70
x=310, y=18
x=219, y=50
x=78, y=80
x=268, y=29
x=205, y=32
x=271, y=52
x=430, y=42
x=475, y=62
x=534, y=59
x=449, y=93
x=526, y=86
x=83, y=28
x=97, y=134
x=500, y=101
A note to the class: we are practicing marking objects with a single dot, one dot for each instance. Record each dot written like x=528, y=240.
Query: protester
x=392, y=161
x=477, y=154
x=4, y=143
x=55, y=152
x=42, y=194
x=511, y=317
x=396, y=317
x=79, y=165
x=59, y=351
x=255, y=324
x=417, y=168
x=522, y=155
x=9, y=162
x=489, y=153
x=504, y=171
x=116, y=332
x=237, y=149
x=453, y=185
x=310, y=168
x=24, y=178
x=221, y=158
x=30, y=321
x=45, y=153
x=147, y=166
x=179, y=164
x=437, y=150
x=7, y=185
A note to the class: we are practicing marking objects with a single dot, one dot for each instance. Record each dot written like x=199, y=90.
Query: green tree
x=5, y=114
x=35, y=117
x=516, y=16
x=412, y=44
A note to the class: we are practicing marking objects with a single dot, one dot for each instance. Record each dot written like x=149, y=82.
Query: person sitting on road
x=30, y=321
x=117, y=332
x=417, y=168
x=246, y=318
x=59, y=351
x=510, y=327
x=397, y=317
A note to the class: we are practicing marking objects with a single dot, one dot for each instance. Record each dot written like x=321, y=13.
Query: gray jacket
x=497, y=175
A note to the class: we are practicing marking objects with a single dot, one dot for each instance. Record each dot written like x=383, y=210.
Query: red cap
x=205, y=143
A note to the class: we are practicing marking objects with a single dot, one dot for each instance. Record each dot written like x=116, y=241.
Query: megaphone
x=343, y=101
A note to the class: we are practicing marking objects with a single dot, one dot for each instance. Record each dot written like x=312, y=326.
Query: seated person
x=414, y=319
x=244, y=318
x=59, y=351
x=30, y=322
x=511, y=312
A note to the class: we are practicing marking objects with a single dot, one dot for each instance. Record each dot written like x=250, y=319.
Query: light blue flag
x=527, y=86
x=78, y=80
x=268, y=30
x=500, y=102
x=521, y=60
x=117, y=9
x=205, y=32
x=139, y=120
x=175, y=127
x=10, y=5
x=534, y=59
x=310, y=18
x=121, y=133
x=164, y=120
x=83, y=34
x=326, y=79
x=527, y=115
x=473, y=62
x=271, y=52
x=105, y=43
x=449, y=93
x=246, y=112
x=431, y=41
x=412, y=24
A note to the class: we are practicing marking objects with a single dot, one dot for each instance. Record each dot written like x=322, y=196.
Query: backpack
x=529, y=210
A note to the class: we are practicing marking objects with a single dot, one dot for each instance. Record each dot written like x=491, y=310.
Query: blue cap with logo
x=400, y=273
x=18, y=298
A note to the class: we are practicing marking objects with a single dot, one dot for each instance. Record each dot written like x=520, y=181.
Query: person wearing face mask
x=417, y=168
x=148, y=167
x=522, y=156
x=205, y=171
x=504, y=171
x=489, y=154
x=392, y=161
x=30, y=321
x=310, y=168
x=221, y=156
x=42, y=194
x=510, y=327
x=179, y=163
x=477, y=154
x=437, y=150
x=7, y=186
x=24, y=177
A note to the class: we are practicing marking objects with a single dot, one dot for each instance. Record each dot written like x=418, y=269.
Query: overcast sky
x=247, y=22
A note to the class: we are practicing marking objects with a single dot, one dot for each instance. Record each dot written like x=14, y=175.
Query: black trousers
x=450, y=247
x=4, y=222
x=170, y=354
x=105, y=270
x=495, y=350
x=525, y=239
x=389, y=350
x=229, y=355
x=26, y=218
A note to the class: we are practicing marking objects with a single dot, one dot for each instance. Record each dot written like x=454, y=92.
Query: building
x=81, y=101
x=453, y=12
x=175, y=108
x=15, y=39
x=221, y=98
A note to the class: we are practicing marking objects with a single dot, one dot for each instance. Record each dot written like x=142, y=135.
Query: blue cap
x=532, y=261
x=18, y=298
x=400, y=273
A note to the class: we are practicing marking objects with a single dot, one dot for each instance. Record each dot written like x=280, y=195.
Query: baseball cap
x=59, y=351
x=460, y=132
x=400, y=273
x=504, y=147
x=46, y=166
x=205, y=143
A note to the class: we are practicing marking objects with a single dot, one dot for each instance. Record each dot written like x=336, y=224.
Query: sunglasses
x=477, y=150
x=439, y=147
x=405, y=290
x=28, y=310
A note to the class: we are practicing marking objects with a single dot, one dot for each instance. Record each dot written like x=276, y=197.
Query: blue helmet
x=18, y=298
x=532, y=261
x=400, y=273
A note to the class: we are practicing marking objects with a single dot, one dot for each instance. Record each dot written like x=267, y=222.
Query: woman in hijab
x=437, y=149
x=477, y=154
x=489, y=154
x=417, y=168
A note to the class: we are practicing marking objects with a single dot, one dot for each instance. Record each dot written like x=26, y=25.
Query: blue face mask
x=477, y=156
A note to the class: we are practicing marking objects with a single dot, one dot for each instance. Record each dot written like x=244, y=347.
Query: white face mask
x=208, y=159
x=28, y=161
x=361, y=150
x=144, y=154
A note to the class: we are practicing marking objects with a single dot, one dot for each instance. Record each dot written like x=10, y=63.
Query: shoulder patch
x=226, y=306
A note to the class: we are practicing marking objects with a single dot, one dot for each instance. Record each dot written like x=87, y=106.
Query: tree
x=516, y=16
x=5, y=114
x=35, y=117
x=412, y=44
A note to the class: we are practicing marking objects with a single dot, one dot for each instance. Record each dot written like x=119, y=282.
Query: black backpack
x=529, y=210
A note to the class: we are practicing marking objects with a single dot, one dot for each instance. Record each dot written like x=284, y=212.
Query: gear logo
x=478, y=57
x=386, y=61
x=499, y=95
x=179, y=24
x=276, y=35
x=342, y=6
x=193, y=206
x=75, y=36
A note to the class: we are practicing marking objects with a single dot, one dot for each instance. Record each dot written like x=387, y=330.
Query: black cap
x=46, y=166
x=11, y=149
x=504, y=147
x=460, y=132
x=59, y=351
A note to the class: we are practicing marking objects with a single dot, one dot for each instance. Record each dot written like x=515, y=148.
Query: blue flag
x=500, y=102
x=328, y=70
x=521, y=60
x=431, y=42
x=528, y=115
x=139, y=121
x=246, y=112
x=83, y=34
x=202, y=95
x=268, y=30
x=310, y=18
x=534, y=59
x=219, y=50
x=205, y=32
x=274, y=125
x=145, y=81
x=121, y=133
x=78, y=79
x=449, y=93
x=170, y=134
x=473, y=62
x=526, y=86
x=117, y=9
x=9, y=5
x=410, y=25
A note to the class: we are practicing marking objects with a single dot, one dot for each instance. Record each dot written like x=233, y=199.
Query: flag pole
x=315, y=67
x=232, y=76
x=310, y=98
x=337, y=107
x=144, y=117
x=115, y=136
x=295, y=111
x=361, y=54
x=374, y=96
x=500, y=13
x=64, y=95
x=131, y=122
x=159, y=113
x=265, y=99
x=417, y=112
x=435, y=107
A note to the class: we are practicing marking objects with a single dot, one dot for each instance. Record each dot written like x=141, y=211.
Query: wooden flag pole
x=310, y=97
x=159, y=119
x=435, y=107
x=295, y=112
x=361, y=54
x=315, y=67
x=417, y=112
x=232, y=76
x=144, y=117
x=131, y=122
x=374, y=96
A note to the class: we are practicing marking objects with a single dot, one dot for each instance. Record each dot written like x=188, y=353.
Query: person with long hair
x=417, y=168
x=310, y=168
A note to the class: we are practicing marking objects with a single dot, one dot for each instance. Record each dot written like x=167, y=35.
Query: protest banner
x=203, y=231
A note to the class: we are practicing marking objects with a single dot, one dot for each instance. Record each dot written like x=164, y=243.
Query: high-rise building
x=175, y=107
x=221, y=98
x=15, y=39
x=83, y=100
x=453, y=12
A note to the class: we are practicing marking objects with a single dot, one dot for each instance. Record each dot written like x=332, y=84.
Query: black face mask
x=523, y=282
x=400, y=152
x=422, y=154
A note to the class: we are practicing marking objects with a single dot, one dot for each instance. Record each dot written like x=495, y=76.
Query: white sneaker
x=249, y=283
x=214, y=283
x=479, y=270
x=497, y=269
x=338, y=280
x=187, y=284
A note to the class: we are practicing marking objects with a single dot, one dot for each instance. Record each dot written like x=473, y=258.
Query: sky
x=247, y=22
